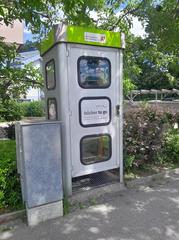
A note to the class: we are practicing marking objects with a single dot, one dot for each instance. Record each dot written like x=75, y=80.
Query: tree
x=155, y=68
x=147, y=62
x=161, y=19
x=15, y=81
x=42, y=14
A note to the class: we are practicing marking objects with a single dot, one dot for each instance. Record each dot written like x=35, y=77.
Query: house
x=33, y=57
x=13, y=33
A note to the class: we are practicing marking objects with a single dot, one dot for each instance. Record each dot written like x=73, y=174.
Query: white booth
x=83, y=90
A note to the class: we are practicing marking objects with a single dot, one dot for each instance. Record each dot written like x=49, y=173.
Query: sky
x=137, y=28
x=27, y=35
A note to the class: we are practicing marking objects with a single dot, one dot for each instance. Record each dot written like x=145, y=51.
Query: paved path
x=144, y=213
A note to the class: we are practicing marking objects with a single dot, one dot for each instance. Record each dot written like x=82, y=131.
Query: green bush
x=10, y=111
x=145, y=133
x=10, y=193
x=170, y=147
x=33, y=109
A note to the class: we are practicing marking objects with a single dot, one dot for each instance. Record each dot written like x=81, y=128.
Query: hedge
x=149, y=135
x=14, y=111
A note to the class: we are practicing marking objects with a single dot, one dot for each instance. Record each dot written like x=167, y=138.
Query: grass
x=7, y=151
x=10, y=193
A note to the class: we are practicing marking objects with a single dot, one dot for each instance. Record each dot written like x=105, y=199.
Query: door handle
x=117, y=110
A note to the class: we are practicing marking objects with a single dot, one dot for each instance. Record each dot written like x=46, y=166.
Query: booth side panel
x=120, y=64
x=64, y=110
x=51, y=90
x=60, y=96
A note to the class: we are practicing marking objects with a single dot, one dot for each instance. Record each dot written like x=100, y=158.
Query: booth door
x=93, y=100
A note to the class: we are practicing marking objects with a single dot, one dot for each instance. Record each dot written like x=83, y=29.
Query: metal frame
x=94, y=98
x=92, y=57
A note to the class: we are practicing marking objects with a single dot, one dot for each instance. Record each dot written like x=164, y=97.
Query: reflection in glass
x=94, y=72
x=95, y=148
x=50, y=74
x=52, y=109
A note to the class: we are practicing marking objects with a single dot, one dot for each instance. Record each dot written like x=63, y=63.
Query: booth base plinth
x=95, y=180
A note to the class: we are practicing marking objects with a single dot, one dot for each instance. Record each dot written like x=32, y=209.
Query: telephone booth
x=83, y=90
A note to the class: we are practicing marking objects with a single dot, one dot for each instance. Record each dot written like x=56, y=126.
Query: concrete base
x=45, y=212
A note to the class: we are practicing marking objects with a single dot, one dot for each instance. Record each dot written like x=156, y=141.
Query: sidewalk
x=142, y=213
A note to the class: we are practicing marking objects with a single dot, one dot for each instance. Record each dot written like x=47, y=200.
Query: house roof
x=28, y=57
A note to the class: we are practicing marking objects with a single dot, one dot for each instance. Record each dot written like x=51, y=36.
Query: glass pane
x=94, y=72
x=50, y=74
x=96, y=148
x=52, y=109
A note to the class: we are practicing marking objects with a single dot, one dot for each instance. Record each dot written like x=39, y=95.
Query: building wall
x=12, y=33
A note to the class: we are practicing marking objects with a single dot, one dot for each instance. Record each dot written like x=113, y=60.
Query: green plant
x=81, y=205
x=10, y=110
x=33, y=109
x=128, y=162
x=93, y=202
x=144, y=134
x=66, y=206
x=128, y=86
x=170, y=147
x=10, y=193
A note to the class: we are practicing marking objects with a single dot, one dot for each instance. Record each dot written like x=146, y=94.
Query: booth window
x=52, y=109
x=94, y=72
x=50, y=74
x=95, y=148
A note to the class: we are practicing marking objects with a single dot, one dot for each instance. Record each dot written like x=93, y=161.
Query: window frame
x=96, y=135
x=46, y=80
x=94, y=57
x=96, y=124
x=55, y=109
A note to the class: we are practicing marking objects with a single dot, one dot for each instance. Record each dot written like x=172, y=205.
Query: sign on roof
x=82, y=35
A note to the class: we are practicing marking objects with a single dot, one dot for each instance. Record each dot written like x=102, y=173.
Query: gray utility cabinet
x=39, y=165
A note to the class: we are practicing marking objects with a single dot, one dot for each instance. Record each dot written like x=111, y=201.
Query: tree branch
x=126, y=12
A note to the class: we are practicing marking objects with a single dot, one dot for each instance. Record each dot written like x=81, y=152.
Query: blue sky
x=27, y=35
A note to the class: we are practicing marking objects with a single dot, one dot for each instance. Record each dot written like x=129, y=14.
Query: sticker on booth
x=95, y=111
x=95, y=37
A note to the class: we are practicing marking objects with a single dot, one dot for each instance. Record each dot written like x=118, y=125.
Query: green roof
x=82, y=35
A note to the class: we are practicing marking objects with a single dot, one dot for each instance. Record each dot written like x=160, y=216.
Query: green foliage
x=10, y=193
x=10, y=111
x=14, y=81
x=144, y=136
x=32, y=109
x=128, y=86
x=41, y=15
x=128, y=162
x=161, y=19
x=170, y=147
x=156, y=69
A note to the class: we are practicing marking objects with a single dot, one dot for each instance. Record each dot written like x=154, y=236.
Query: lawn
x=10, y=193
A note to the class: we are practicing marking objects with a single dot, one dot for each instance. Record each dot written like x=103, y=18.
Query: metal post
x=121, y=117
